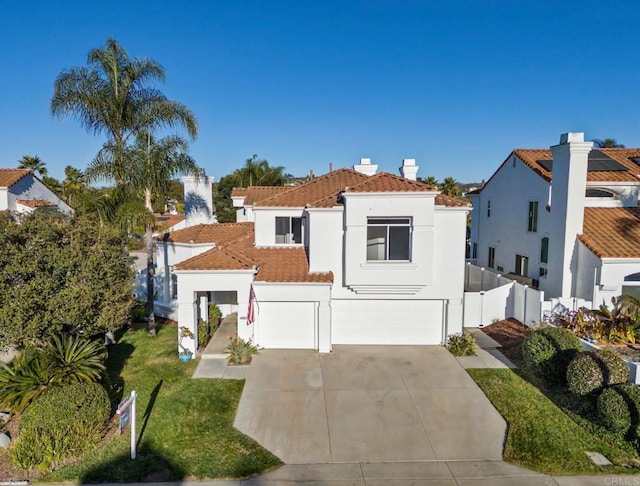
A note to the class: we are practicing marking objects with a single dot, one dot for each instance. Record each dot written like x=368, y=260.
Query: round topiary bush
x=64, y=422
x=619, y=409
x=547, y=352
x=591, y=371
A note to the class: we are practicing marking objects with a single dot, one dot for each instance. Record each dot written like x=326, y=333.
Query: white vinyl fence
x=490, y=297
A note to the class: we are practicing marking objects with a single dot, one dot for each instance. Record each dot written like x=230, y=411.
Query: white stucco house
x=22, y=192
x=350, y=257
x=565, y=220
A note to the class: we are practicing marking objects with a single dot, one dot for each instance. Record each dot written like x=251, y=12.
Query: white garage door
x=288, y=325
x=386, y=321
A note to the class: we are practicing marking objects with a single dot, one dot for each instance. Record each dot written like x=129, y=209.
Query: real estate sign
x=127, y=416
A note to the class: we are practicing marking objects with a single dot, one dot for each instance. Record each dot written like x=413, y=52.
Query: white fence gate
x=490, y=297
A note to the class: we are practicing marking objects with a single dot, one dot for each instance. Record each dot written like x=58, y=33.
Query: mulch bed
x=509, y=333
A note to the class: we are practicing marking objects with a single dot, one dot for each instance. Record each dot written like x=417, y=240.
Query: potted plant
x=185, y=353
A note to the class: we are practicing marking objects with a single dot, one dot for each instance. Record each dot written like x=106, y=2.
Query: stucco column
x=187, y=318
x=204, y=308
x=324, y=327
x=454, y=316
x=245, y=330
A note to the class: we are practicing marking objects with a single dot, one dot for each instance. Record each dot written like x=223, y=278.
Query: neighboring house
x=351, y=257
x=22, y=192
x=168, y=222
x=564, y=219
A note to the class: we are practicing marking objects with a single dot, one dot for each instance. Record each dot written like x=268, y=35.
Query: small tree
x=61, y=274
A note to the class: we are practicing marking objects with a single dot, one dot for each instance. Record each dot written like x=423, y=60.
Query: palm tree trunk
x=151, y=317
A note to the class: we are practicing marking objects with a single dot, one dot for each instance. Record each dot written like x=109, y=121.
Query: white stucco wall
x=265, y=223
x=509, y=191
x=612, y=275
x=29, y=187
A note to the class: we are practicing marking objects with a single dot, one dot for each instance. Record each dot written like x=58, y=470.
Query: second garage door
x=287, y=325
x=386, y=321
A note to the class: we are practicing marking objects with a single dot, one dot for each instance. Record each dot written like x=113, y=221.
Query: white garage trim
x=287, y=325
x=387, y=321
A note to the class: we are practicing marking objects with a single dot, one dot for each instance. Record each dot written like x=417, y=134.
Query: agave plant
x=73, y=359
x=23, y=381
x=63, y=360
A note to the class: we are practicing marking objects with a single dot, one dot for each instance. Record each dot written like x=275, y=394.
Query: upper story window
x=492, y=257
x=533, y=216
x=388, y=239
x=544, y=250
x=599, y=192
x=288, y=230
x=488, y=209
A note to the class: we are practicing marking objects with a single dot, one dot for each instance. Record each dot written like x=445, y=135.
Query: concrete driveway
x=368, y=404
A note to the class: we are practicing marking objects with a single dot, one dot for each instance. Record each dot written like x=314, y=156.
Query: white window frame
x=392, y=222
x=289, y=234
x=533, y=209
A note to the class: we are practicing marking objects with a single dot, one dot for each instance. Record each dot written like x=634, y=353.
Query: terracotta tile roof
x=9, y=177
x=451, y=202
x=612, y=232
x=221, y=233
x=253, y=194
x=285, y=264
x=385, y=182
x=622, y=155
x=36, y=203
x=164, y=221
x=316, y=191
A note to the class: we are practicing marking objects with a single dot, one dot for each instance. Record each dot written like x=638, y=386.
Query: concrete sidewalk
x=488, y=353
x=453, y=473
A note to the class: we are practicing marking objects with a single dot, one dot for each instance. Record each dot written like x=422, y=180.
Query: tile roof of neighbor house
x=9, y=177
x=323, y=191
x=612, y=232
x=208, y=233
x=164, y=221
x=252, y=194
x=624, y=156
x=36, y=203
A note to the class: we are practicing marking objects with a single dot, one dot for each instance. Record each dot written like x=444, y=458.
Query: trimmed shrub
x=461, y=344
x=547, y=352
x=64, y=422
x=619, y=409
x=590, y=371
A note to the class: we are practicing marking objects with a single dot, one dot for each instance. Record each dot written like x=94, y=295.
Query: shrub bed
x=619, y=409
x=590, y=371
x=64, y=422
x=461, y=344
x=547, y=352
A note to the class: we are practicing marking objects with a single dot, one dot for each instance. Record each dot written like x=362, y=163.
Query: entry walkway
x=488, y=353
x=213, y=360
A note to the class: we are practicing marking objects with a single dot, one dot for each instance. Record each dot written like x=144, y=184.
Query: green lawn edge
x=185, y=426
x=540, y=435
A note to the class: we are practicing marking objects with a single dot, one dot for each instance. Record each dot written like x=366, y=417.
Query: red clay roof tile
x=612, y=232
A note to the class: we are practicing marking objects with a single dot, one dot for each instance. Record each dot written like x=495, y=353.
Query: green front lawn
x=185, y=426
x=541, y=436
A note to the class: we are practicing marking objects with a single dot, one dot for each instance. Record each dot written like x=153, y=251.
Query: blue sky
x=455, y=85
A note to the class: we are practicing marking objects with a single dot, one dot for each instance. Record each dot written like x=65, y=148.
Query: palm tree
x=449, y=187
x=258, y=172
x=431, y=181
x=34, y=164
x=112, y=96
x=73, y=185
x=606, y=143
x=152, y=165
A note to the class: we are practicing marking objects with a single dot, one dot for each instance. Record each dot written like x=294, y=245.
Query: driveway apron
x=368, y=404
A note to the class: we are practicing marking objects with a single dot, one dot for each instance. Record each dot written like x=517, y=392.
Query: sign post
x=127, y=412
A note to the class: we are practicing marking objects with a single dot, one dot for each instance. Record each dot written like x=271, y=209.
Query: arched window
x=599, y=192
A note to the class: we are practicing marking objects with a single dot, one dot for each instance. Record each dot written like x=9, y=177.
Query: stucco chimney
x=409, y=169
x=568, y=183
x=198, y=200
x=366, y=167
